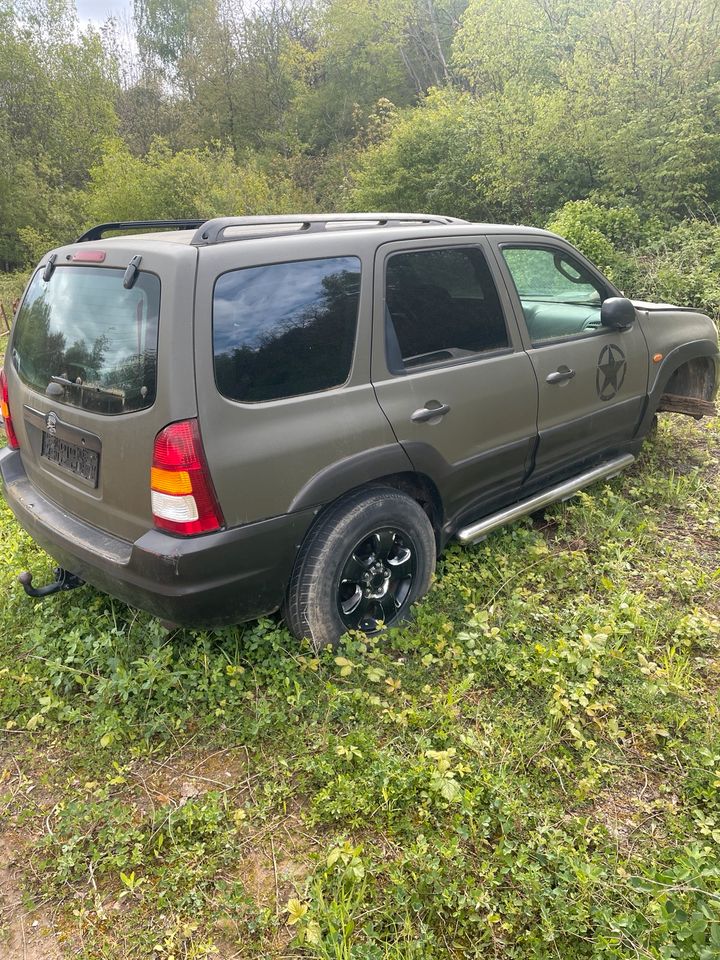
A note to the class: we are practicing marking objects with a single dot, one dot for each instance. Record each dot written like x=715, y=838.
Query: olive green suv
x=214, y=421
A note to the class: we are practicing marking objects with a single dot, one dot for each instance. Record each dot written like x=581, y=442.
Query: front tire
x=363, y=565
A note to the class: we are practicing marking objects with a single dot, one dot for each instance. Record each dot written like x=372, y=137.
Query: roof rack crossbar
x=213, y=231
x=128, y=226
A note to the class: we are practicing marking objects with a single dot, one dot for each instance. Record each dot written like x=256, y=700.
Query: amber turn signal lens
x=657, y=358
x=170, y=481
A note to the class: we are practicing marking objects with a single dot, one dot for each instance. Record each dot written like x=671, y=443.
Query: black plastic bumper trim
x=209, y=580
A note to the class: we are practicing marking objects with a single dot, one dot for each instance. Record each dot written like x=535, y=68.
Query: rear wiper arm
x=86, y=386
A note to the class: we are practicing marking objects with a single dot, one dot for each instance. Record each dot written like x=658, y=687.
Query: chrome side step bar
x=563, y=491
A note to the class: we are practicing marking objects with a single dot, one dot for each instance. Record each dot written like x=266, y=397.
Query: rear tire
x=362, y=566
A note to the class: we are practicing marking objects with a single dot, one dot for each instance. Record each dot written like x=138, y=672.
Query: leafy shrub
x=675, y=264
x=199, y=183
x=426, y=162
x=683, y=266
x=608, y=236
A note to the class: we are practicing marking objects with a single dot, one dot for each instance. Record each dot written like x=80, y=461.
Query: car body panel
x=598, y=408
x=661, y=324
x=210, y=580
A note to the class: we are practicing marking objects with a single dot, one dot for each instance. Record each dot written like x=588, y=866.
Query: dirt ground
x=25, y=934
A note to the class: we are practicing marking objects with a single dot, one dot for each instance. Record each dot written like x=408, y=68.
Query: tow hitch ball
x=64, y=580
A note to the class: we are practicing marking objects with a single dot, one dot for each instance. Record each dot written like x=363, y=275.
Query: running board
x=563, y=491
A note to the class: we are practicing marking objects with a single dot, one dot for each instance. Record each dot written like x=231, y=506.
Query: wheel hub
x=376, y=579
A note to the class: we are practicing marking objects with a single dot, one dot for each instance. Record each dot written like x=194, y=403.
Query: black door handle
x=560, y=376
x=429, y=413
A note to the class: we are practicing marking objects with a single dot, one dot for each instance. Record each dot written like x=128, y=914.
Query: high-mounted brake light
x=183, y=498
x=5, y=410
x=88, y=256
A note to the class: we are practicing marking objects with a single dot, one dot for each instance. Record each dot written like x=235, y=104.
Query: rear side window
x=285, y=329
x=86, y=333
x=441, y=305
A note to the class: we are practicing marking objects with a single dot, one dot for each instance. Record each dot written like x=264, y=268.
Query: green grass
x=529, y=770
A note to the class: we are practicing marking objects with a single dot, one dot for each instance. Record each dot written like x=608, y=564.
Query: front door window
x=558, y=295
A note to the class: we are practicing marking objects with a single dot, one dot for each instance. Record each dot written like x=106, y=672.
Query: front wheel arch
x=694, y=378
x=690, y=358
x=690, y=389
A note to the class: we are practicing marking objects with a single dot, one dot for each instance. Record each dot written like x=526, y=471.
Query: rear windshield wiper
x=117, y=394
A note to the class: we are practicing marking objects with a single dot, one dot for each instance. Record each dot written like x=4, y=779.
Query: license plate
x=72, y=457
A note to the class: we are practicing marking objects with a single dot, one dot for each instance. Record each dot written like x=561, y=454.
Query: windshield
x=92, y=339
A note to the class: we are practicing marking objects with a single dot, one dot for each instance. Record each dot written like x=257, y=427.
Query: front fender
x=661, y=374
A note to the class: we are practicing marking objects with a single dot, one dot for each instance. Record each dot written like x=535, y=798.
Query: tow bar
x=64, y=580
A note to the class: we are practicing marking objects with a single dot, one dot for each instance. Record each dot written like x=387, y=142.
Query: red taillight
x=183, y=498
x=5, y=410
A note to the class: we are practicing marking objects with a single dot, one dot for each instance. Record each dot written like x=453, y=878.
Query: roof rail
x=213, y=231
x=127, y=226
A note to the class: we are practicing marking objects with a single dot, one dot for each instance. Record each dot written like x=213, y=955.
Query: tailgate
x=95, y=369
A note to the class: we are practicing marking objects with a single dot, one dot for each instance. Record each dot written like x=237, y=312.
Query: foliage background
x=597, y=117
x=532, y=768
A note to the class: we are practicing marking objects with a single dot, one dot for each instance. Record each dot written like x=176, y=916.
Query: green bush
x=201, y=183
x=683, y=267
x=426, y=162
x=647, y=259
x=608, y=236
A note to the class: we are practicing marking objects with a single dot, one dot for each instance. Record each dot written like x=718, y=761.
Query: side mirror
x=617, y=313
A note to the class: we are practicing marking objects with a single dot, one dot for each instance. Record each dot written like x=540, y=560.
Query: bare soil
x=25, y=933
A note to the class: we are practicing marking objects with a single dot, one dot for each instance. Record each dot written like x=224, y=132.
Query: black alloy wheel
x=376, y=580
x=363, y=564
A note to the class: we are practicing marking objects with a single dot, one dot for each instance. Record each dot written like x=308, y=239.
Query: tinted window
x=285, y=329
x=559, y=296
x=441, y=305
x=84, y=326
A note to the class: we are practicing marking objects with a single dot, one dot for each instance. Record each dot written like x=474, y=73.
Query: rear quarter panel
x=263, y=456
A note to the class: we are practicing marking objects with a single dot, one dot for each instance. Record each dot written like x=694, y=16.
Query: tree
x=163, y=30
x=616, y=98
x=199, y=183
x=56, y=92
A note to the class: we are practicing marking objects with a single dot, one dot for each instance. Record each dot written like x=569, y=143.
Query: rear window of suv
x=285, y=329
x=85, y=332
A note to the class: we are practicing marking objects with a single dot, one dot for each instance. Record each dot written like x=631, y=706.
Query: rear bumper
x=210, y=580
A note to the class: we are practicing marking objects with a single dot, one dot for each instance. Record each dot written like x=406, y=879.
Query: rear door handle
x=429, y=413
x=560, y=376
